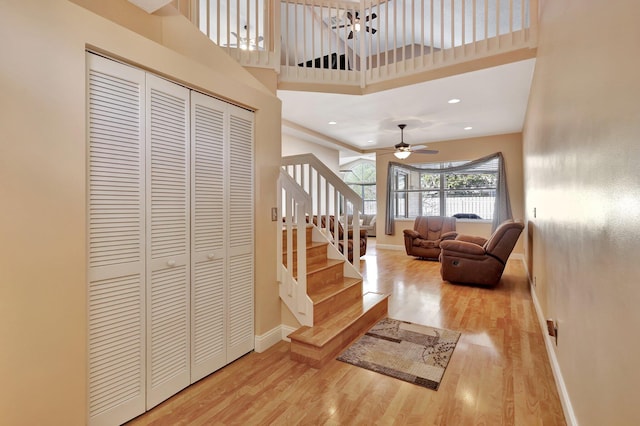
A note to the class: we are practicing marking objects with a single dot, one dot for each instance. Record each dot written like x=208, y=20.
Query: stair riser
x=337, y=303
x=331, y=275
x=315, y=256
x=294, y=236
x=318, y=356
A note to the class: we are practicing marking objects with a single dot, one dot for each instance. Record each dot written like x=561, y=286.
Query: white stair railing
x=331, y=199
x=311, y=193
x=337, y=43
x=296, y=208
x=370, y=41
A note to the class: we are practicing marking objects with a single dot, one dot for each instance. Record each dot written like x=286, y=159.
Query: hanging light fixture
x=403, y=150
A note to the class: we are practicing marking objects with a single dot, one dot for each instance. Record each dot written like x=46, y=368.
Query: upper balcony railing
x=362, y=43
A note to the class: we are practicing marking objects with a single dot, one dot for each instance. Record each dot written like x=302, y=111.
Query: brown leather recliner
x=362, y=239
x=476, y=260
x=427, y=233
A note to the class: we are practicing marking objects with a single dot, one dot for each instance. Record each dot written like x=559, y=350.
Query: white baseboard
x=286, y=330
x=569, y=414
x=271, y=337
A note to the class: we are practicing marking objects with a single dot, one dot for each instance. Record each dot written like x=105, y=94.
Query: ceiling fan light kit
x=402, y=154
x=403, y=150
x=355, y=24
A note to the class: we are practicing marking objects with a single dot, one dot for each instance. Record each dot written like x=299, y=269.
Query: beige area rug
x=411, y=352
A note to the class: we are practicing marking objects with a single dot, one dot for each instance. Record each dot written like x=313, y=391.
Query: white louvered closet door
x=116, y=211
x=208, y=219
x=171, y=237
x=240, y=274
x=168, y=240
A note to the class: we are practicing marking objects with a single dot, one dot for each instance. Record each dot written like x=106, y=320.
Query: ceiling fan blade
x=350, y=35
x=234, y=34
x=385, y=152
x=417, y=147
x=371, y=30
x=425, y=151
x=370, y=17
x=349, y=16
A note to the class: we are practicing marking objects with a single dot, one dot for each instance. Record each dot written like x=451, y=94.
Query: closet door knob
x=211, y=256
x=171, y=263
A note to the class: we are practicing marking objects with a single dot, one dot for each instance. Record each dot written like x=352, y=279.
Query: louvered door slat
x=241, y=178
x=240, y=275
x=208, y=218
x=168, y=293
x=116, y=242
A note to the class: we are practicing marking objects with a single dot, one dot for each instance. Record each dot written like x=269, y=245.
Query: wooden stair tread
x=322, y=266
x=332, y=289
x=313, y=244
x=319, y=335
x=318, y=267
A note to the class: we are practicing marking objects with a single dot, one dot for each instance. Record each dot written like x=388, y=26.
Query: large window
x=468, y=193
x=361, y=177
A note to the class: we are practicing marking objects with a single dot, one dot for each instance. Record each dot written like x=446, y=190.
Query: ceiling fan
x=246, y=43
x=355, y=23
x=403, y=150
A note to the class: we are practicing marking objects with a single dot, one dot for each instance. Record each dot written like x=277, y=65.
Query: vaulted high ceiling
x=492, y=101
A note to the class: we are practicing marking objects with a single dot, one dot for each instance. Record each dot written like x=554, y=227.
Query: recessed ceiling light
x=333, y=122
x=468, y=128
x=369, y=142
x=453, y=101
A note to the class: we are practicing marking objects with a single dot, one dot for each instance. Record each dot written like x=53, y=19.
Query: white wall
x=581, y=159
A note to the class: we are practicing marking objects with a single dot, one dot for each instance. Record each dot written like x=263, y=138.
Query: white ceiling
x=493, y=101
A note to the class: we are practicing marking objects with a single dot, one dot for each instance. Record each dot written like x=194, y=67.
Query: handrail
x=329, y=174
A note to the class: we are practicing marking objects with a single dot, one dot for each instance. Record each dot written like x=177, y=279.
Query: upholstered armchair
x=476, y=260
x=427, y=234
x=362, y=240
x=368, y=222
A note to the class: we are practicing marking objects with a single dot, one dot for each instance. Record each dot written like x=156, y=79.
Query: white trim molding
x=270, y=338
x=273, y=336
x=565, y=400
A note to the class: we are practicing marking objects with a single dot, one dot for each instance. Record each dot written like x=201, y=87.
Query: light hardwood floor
x=499, y=373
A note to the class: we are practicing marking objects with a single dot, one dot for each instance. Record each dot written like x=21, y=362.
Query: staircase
x=341, y=313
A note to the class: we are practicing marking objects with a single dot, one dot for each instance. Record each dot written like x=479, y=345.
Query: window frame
x=442, y=189
x=359, y=186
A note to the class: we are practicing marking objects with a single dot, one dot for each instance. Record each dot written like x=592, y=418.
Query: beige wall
x=464, y=149
x=43, y=185
x=292, y=145
x=582, y=150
